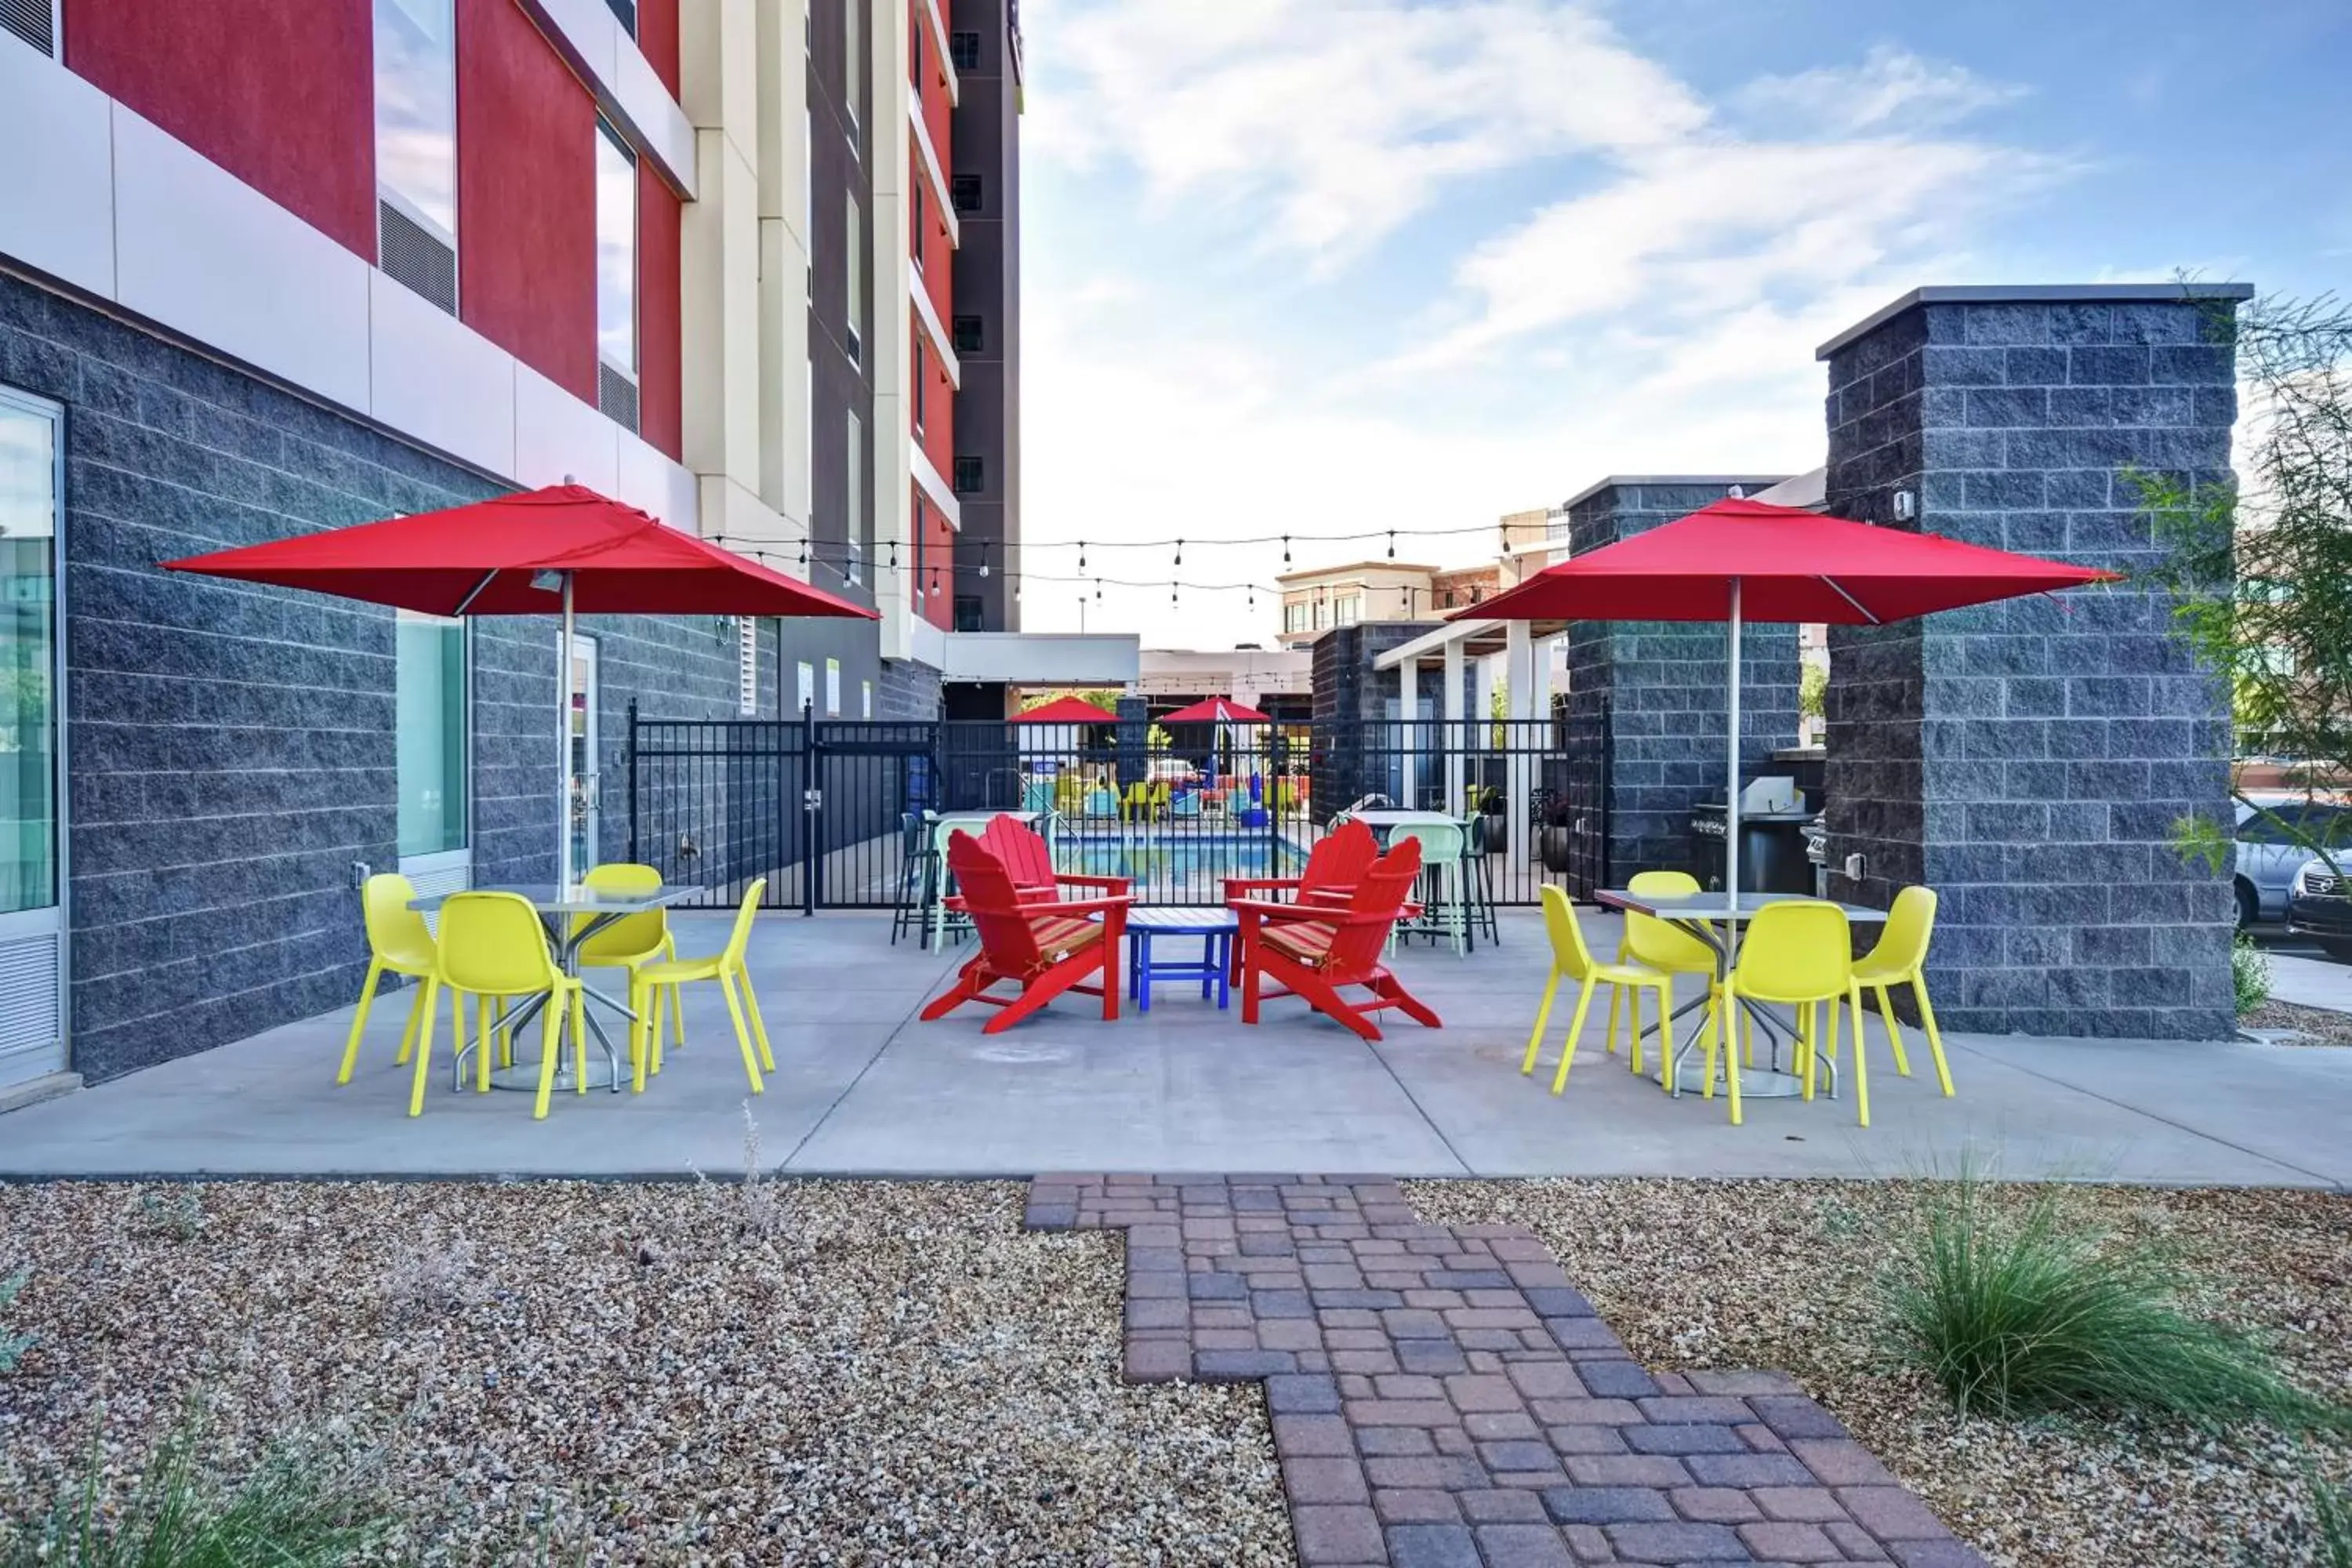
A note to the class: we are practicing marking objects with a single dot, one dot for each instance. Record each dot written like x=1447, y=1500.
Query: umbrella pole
x=1731, y=780
x=563, y=868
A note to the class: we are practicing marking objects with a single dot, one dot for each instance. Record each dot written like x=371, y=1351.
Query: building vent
x=29, y=994
x=616, y=395
x=35, y=21
x=412, y=253
x=747, y=666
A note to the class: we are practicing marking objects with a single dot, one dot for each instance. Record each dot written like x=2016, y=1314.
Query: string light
x=803, y=554
x=1082, y=555
x=1179, y=552
x=1391, y=543
x=1097, y=590
x=1171, y=596
x=984, y=558
x=1286, y=550
x=893, y=555
x=935, y=579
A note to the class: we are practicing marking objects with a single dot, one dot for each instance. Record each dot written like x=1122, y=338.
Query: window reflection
x=28, y=631
x=416, y=107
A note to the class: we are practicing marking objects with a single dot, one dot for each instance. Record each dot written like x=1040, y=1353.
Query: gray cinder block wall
x=2027, y=760
x=1666, y=685
x=230, y=747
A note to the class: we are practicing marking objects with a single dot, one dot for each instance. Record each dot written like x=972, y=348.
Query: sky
x=1314, y=266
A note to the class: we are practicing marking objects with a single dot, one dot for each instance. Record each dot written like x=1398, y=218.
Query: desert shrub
x=2250, y=971
x=2017, y=1312
x=14, y=1346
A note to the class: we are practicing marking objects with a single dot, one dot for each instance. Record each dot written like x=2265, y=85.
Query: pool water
x=1188, y=868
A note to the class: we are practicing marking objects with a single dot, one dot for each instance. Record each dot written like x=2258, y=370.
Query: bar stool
x=1480, y=883
x=1444, y=871
x=918, y=865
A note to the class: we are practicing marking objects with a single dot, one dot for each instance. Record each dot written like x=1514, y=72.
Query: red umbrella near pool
x=1740, y=560
x=552, y=551
x=1066, y=711
x=1217, y=711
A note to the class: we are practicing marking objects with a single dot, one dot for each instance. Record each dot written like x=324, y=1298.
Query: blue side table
x=1216, y=929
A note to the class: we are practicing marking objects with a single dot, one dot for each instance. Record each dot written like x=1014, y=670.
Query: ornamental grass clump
x=2022, y=1311
x=294, y=1511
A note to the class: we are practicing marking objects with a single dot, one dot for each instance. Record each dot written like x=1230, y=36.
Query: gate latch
x=812, y=800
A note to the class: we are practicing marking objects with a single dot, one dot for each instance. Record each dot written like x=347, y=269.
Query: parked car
x=2319, y=905
x=2269, y=857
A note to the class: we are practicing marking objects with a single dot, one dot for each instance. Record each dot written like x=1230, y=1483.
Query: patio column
x=1456, y=739
x=1409, y=737
x=1518, y=664
x=2027, y=760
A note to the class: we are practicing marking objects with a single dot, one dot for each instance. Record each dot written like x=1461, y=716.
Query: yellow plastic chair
x=1797, y=955
x=1901, y=955
x=399, y=943
x=1159, y=800
x=1571, y=958
x=632, y=939
x=492, y=945
x=1665, y=948
x=654, y=985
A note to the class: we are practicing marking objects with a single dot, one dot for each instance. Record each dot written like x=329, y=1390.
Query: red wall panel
x=526, y=196
x=660, y=412
x=657, y=39
x=281, y=93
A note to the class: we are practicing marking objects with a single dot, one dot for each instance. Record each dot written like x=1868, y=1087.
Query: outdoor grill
x=1773, y=853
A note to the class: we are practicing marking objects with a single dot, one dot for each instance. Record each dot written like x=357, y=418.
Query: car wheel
x=2250, y=908
x=2337, y=948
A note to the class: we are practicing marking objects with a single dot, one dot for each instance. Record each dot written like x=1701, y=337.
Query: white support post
x=1409, y=751
x=1456, y=737
x=1519, y=674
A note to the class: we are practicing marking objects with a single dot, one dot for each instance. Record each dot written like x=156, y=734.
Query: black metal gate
x=835, y=814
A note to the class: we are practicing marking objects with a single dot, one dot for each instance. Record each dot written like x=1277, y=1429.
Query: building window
x=967, y=613
x=429, y=739
x=853, y=46
x=964, y=49
x=1295, y=615
x=965, y=190
x=626, y=12
x=1347, y=610
x=920, y=234
x=616, y=273
x=856, y=254
x=923, y=383
x=970, y=334
x=971, y=476
x=915, y=60
x=30, y=506
x=853, y=516
x=416, y=146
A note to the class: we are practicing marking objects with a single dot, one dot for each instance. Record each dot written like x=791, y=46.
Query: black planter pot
x=1554, y=845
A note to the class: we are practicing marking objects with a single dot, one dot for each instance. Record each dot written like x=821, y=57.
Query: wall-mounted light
x=1906, y=506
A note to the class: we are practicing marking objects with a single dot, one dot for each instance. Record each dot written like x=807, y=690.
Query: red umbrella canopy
x=1792, y=565
x=1066, y=711
x=1217, y=711
x=481, y=560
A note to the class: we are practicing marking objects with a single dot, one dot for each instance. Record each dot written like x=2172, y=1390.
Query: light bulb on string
x=1391, y=543
x=1286, y=550
x=1082, y=554
x=1171, y=596
x=935, y=579
x=1097, y=590
x=893, y=555
x=1016, y=590
x=803, y=554
x=983, y=560
x=1179, y=552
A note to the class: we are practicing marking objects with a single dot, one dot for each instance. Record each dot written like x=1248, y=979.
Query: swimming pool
x=1178, y=868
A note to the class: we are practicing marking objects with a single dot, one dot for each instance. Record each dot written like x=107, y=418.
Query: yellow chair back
x=1657, y=944
x=739, y=940
x=1568, y=953
x=492, y=944
x=396, y=934
x=631, y=934
x=1795, y=952
x=1910, y=921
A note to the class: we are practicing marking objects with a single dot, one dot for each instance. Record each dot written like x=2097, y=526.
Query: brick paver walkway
x=1443, y=1396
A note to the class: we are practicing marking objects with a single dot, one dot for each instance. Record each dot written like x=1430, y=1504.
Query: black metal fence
x=836, y=814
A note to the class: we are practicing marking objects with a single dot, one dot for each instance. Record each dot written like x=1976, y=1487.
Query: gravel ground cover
x=838, y=1373
x=1784, y=1275
x=2312, y=1025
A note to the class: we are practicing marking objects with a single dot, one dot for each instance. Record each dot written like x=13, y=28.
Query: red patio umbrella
x=1066, y=711
x=558, y=551
x=1217, y=711
x=1739, y=560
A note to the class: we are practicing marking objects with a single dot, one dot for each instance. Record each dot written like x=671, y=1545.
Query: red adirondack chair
x=1338, y=858
x=1044, y=945
x=1025, y=857
x=1312, y=951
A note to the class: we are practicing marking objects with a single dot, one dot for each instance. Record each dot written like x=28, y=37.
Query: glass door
x=586, y=791
x=32, y=840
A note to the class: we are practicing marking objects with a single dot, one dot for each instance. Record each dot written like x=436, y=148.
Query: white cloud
x=1342, y=120
x=1891, y=89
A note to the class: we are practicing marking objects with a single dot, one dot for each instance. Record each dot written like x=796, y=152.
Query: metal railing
x=839, y=815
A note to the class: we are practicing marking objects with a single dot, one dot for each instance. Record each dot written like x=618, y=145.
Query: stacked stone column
x=2029, y=760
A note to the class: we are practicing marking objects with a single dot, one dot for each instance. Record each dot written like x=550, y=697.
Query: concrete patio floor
x=862, y=1089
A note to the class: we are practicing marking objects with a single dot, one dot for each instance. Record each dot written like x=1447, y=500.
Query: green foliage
x=1813, y=690
x=2331, y=1516
x=14, y=1346
x=2261, y=579
x=2250, y=973
x=2024, y=1312
x=179, y=1216
x=1105, y=701
x=290, y=1512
